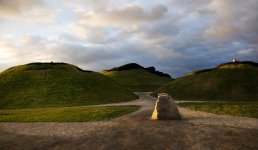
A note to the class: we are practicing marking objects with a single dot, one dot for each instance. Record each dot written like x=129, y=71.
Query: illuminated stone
x=165, y=108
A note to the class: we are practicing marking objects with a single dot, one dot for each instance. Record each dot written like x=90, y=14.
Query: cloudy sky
x=175, y=36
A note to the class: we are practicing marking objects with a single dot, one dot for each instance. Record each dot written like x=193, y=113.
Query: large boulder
x=165, y=108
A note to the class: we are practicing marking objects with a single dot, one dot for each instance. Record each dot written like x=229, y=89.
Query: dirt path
x=197, y=130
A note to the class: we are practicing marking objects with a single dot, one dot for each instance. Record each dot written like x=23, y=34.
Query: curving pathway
x=197, y=130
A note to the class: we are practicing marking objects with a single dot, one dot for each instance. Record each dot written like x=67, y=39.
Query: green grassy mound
x=138, y=78
x=234, y=109
x=66, y=114
x=57, y=84
x=227, y=82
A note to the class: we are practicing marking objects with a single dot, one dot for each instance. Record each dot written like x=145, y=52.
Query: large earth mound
x=57, y=84
x=138, y=78
x=232, y=81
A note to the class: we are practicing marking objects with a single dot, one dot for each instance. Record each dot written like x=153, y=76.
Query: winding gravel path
x=197, y=130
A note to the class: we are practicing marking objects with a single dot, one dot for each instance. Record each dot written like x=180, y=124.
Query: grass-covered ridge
x=132, y=66
x=57, y=84
x=66, y=114
x=227, y=82
x=138, y=78
x=234, y=109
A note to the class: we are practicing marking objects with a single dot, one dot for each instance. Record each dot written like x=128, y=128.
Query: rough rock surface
x=165, y=108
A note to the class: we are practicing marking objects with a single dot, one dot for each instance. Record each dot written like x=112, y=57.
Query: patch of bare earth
x=197, y=130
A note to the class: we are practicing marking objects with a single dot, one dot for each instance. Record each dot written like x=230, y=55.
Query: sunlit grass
x=46, y=85
x=138, y=80
x=65, y=114
x=233, y=66
x=234, y=109
x=235, y=84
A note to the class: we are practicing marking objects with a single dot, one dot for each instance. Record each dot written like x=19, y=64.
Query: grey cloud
x=235, y=19
x=161, y=29
x=126, y=15
x=157, y=12
x=78, y=54
x=221, y=30
x=247, y=52
x=9, y=7
x=188, y=6
x=15, y=7
x=182, y=33
x=27, y=11
x=174, y=36
x=91, y=34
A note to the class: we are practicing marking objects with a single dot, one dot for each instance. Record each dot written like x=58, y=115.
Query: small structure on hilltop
x=165, y=108
x=234, y=60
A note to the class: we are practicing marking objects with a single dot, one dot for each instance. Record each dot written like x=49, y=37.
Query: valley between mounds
x=197, y=130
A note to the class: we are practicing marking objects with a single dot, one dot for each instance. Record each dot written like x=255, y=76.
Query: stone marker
x=165, y=108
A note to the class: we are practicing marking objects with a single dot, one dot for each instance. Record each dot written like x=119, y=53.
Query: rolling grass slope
x=234, y=109
x=55, y=85
x=227, y=82
x=137, y=78
x=66, y=114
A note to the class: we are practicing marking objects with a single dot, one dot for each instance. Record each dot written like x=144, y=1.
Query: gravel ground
x=197, y=130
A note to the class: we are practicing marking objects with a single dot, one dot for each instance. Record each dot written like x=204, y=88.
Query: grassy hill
x=66, y=114
x=227, y=82
x=138, y=78
x=57, y=84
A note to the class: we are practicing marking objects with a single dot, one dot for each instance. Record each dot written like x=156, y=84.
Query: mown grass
x=40, y=85
x=65, y=114
x=219, y=84
x=138, y=80
x=234, y=109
